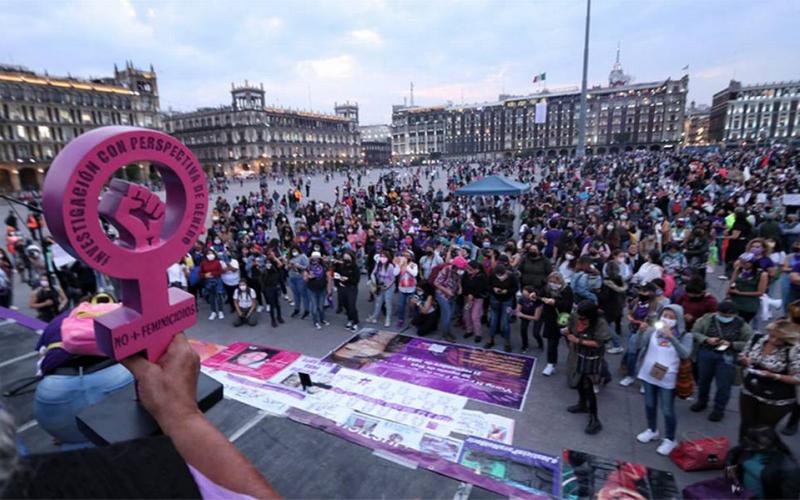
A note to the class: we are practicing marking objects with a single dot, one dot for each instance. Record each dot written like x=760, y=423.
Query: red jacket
x=696, y=309
x=210, y=266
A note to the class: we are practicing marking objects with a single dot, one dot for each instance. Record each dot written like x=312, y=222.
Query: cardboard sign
x=153, y=234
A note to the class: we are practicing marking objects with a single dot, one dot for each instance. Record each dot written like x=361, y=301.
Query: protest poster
x=525, y=470
x=407, y=404
x=588, y=476
x=484, y=425
x=249, y=391
x=492, y=377
x=321, y=374
x=205, y=349
x=251, y=360
x=434, y=453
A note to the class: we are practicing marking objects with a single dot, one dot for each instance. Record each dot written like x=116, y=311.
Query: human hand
x=136, y=212
x=572, y=338
x=168, y=388
x=712, y=340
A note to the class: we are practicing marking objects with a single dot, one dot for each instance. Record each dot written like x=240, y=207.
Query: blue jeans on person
x=213, y=291
x=300, y=293
x=498, y=315
x=445, y=313
x=655, y=396
x=719, y=367
x=59, y=399
x=385, y=296
x=631, y=353
x=318, y=298
x=403, y=305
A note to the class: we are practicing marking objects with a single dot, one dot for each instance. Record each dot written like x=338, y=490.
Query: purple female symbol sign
x=153, y=234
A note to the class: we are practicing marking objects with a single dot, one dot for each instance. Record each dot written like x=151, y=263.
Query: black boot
x=274, y=323
x=594, y=425
x=578, y=408
x=478, y=339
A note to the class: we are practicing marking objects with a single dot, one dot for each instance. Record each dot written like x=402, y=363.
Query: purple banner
x=528, y=470
x=492, y=377
x=360, y=433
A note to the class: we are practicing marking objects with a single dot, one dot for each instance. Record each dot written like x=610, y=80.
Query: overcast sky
x=313, y=53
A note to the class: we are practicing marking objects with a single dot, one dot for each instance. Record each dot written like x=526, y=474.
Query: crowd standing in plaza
x=607, y=258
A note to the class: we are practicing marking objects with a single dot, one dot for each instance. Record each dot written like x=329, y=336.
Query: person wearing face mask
x=790, y=279
x=210, y=272
x=383, y=278
x=270, y=286
x=429, y=261
x=534, y=268
x=757, y=247
x=661, y=349
x=447, y=284
x=718, y=338
x=748, y=283
x=298, y=263
x=502, y=287
x=244, y=303
x=475, y=290
x=696, y=302
x=46, y=300
x=642, y=311
x=567, y=267
x=346, y=276
x=557, y=300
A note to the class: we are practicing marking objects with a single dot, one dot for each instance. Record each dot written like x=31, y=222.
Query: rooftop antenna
x=411, y=101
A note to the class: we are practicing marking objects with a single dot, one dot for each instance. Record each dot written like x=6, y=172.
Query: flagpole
x=580, y=152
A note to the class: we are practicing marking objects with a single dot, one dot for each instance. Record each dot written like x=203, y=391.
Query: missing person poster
x=251, y=360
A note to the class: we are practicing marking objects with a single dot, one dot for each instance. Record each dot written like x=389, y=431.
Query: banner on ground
x=251, y=360
x=484, y=375
x=589, y=476
x=484, y=425
x=527, y=470
x=425, y=450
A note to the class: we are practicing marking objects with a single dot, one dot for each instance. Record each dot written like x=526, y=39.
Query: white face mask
x=384, y=260
x=294, y=254
x=569, y=257
x=670, y=323
x=44, y=284
x=217, y=241
x=211, y=256
x=554, y=286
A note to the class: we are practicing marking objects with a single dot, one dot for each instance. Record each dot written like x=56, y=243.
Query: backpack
x=77, y=329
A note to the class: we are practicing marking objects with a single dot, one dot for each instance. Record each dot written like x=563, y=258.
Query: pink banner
x=251, y=360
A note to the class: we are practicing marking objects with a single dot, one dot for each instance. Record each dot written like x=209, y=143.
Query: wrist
x=173, y=421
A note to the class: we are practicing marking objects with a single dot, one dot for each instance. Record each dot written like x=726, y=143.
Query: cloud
x=333, y=68
x=719, y=72
x=365, y=37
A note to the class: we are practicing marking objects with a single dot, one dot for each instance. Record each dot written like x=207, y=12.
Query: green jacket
x=702, y=326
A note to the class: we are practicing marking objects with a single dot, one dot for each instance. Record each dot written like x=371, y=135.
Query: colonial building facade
x=760, y=113
x=249, y=136
x=622, y=116
x=40, y=114
x=696, y=125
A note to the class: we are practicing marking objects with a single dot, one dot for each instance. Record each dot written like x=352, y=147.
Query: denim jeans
x=445, y=313
x=498, y=316
x=719, y=367
x=631, y=353
x=300, y=293
x=472, y=317
x=59, y=399
x=318, y=298
x=402, y=306
x=655, y=396
x=213, y=294
x=384, y=296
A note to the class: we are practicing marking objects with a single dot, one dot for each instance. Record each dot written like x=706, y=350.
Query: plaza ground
x=305, y=462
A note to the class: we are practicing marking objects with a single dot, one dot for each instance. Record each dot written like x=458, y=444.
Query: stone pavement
x=542, y=425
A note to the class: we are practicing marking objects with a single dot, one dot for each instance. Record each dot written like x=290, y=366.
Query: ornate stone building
x=250, y=136
x=40, y=114
x=622, y=116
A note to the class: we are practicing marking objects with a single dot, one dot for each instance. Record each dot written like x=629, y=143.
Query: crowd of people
x=610, y=259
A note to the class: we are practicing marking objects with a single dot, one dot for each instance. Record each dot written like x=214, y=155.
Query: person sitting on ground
x=244, y=303
x=764, y=465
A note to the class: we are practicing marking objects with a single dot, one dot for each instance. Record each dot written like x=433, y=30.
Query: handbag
x=718, y=487
x=701, y=454
x=77, y=329
x=684, y=385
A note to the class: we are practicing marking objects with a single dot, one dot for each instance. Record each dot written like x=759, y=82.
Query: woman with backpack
x=612, y=301
x=661, y=350
x=382, y=281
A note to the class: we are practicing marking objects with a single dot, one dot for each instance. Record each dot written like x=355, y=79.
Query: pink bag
x=77, y=329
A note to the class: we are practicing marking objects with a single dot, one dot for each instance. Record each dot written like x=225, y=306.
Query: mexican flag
x=540, y=77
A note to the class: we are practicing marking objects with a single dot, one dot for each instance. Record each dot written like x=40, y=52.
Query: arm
x=167, y=390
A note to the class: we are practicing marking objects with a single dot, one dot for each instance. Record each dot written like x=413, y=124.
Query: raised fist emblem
x=137, y=213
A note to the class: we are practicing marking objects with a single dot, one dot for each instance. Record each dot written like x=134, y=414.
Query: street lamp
x=580, y=152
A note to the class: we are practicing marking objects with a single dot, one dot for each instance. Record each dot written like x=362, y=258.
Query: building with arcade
x=40, y=114
x=248, y=135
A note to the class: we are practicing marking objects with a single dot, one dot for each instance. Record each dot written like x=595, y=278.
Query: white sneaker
x=387, y=324
x=349, y=325
x=666, y=447
x=647, y=435
x=641, y=389
x=268, y=307
x=260, y=308
x=625, y=382
x=221, y=315
x=212, y=317
x=549, y=370
x=615, y=350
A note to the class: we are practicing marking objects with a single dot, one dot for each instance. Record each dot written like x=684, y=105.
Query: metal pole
x=581, y=151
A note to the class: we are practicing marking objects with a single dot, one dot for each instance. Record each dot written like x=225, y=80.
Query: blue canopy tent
x=493, y=185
